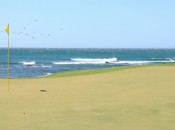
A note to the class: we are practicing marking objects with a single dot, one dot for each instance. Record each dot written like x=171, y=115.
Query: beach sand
x=140, y=98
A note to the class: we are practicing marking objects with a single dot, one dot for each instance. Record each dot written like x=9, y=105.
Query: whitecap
x=76, y=63
x=94, y=59
x=28, y=63
x=46, y=66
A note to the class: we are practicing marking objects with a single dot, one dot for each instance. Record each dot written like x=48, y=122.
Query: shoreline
x=91, y=71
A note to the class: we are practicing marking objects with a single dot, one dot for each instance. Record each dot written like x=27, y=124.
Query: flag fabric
x=6, y=28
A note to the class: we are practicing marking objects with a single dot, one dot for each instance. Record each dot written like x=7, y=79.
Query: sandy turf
x=131, y=99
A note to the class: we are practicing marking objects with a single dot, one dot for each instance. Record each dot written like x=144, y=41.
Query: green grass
x=141, y=98
x=86, y=72
x=95, y=71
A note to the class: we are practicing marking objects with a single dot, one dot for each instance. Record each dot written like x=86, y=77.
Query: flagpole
x=8, y=62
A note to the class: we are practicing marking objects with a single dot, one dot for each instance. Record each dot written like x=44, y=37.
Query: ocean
x=34, y=62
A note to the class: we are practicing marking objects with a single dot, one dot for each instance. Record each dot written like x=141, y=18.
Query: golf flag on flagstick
x=6, y=28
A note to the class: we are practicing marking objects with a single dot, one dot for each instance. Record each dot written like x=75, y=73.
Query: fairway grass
x=141, y=98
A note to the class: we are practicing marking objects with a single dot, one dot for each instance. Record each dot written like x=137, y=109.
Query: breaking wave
x=47, y=74
x=46, y=66
x=88, y=61
x=28, y=63
x=160, y=59
x=94, y=60
x=111, y=61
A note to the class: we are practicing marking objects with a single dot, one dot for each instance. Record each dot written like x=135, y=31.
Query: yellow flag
x=6, y=28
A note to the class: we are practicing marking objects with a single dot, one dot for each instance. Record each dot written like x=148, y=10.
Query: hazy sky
x=88, y=23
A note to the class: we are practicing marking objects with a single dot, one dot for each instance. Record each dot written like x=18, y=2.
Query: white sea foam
x=144, y=62
x=47, y=74
x=28, y=63
x=133, y=62
x=94, y=60
x=76, y=63
x=87, y=61
x=161, y=59
x=46, y=66
x=116, y=62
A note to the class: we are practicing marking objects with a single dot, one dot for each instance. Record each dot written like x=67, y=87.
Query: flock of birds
x=28, y=34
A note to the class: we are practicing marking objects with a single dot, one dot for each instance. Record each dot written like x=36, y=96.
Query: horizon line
x=84, y=48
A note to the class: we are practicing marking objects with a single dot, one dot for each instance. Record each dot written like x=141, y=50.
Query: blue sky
x=88, y=23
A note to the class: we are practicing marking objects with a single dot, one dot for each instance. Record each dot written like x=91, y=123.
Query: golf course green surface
x=128, y=98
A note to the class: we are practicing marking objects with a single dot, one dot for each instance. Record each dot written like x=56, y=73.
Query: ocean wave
x=88, y=61
x=160, y=59
x=46, y=66
x=76, y=63
x=94, y=60
x=113, y=63
x=34, y=66
x=47, y=74
x=133, y=62
x=144, y=62
x=28, y=63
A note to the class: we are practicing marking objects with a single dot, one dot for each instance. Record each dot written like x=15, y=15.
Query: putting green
x=140, y=98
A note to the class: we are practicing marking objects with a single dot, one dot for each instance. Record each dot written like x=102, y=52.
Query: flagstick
x=8, y=62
